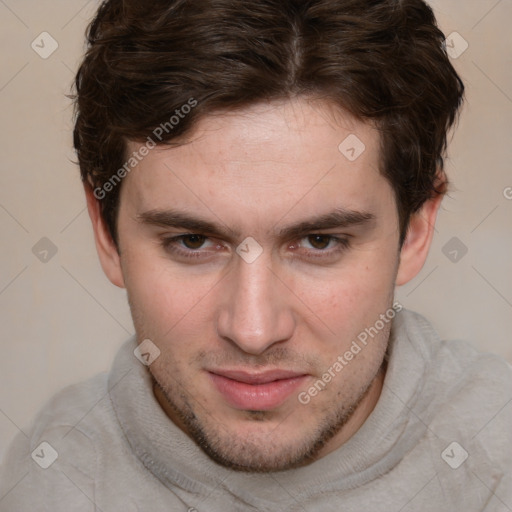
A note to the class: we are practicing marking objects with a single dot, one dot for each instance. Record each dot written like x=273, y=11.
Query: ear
x=418, y=239
x=107, y=249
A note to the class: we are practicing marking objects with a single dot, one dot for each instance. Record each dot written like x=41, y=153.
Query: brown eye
x=193, y=241
x=192, y=248
x=319, y=241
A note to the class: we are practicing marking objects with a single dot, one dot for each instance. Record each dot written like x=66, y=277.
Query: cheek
x=364, y=286
x=164, y=299
x=349, y=300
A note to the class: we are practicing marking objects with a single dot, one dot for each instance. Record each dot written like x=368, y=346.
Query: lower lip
x=256, y=397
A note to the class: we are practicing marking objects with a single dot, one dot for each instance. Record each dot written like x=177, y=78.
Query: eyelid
x=340, y=243
x=167, y=240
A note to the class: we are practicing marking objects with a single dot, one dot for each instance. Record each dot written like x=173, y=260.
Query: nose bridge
x=254, y=314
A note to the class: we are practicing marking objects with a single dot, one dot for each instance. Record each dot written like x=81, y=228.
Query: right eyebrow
x=177, y=219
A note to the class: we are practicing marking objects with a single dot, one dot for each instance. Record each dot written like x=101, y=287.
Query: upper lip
x=258, y=377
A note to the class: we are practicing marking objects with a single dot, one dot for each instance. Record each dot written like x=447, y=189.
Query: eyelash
x=170, y=245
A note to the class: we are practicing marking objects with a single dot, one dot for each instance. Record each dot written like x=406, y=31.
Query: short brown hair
x=384, y=61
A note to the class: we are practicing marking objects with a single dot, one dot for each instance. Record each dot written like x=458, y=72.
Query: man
x=260, y=176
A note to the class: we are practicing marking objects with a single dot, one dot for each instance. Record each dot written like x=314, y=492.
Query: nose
x=255, y=309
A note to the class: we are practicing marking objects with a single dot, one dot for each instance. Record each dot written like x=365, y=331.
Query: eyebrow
x=338, y=218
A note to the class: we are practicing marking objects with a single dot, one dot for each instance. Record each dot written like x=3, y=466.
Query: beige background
x=62, y=321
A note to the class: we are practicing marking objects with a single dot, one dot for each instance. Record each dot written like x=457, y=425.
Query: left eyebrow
x=338, y=218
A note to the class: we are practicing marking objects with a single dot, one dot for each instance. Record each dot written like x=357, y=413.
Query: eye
x=323, y=246
x=190, y=245
x=319, y=242
x=193, y=241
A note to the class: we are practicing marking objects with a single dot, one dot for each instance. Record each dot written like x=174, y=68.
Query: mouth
x=251, y=391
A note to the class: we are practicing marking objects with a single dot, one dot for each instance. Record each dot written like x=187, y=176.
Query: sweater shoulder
x=468, y=400
x=56, y=457
x=453, y=362
x=72, y=406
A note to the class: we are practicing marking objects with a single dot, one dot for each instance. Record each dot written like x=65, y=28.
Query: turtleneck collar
x=389, y=432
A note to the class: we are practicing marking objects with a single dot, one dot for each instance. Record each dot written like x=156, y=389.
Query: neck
x=360, y=414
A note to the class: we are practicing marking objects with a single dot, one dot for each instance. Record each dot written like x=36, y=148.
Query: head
x=260, y=176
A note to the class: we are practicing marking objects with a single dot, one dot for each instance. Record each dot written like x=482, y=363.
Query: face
x=254, y=255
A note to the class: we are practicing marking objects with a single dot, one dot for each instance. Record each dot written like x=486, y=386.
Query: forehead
x=306, y=119
x=264, y=159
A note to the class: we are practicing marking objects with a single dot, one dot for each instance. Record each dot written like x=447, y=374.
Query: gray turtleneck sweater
x=439, y=439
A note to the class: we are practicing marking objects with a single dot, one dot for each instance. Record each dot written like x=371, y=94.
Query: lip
x=251, y=391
